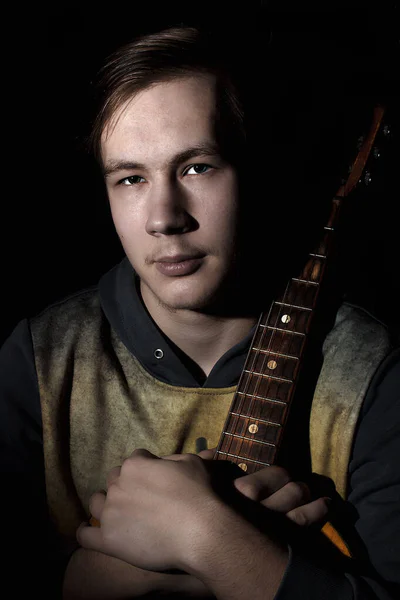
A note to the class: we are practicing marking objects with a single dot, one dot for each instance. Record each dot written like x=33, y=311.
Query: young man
x=109, y=394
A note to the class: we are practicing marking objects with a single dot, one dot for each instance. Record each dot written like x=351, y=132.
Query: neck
x=203, y=337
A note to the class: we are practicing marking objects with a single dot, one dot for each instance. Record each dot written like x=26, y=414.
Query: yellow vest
x=99, y=404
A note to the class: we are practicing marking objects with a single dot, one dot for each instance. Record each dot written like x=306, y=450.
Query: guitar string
x=307, y=275
x=249, y=375
x=242, y=399
x=257, y=353
x=266, y=354
x=289, y=311
x=265, y=357
x=308, y=272
x=252, y=366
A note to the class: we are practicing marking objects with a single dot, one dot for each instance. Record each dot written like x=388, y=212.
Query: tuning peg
x=386, y=130
x=367, y=177
x=376, y=153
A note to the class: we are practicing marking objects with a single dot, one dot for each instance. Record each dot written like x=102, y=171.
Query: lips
x=178, y=265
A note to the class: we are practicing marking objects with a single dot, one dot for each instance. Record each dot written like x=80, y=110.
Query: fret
x=300, y=280
x=251, y=450
x=274, y=400
x=280, y=329
x=261, y=430
x=265, y=409
x=241, y=415
x=265, y=387
x=273, y=377
x=272, y=364
x=279, y=341
x=295, y=320
x=299, y=293
x=293, y=305
x=243, y=437
x=258, y=462
x=277, y=353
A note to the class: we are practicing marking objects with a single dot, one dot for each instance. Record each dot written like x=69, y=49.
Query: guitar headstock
x=366, y=146
x=369, y=150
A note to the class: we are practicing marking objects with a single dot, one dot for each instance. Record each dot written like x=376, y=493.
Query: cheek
x=125, y=219
x=130, y=236
x=223, y=219
x=221, y=205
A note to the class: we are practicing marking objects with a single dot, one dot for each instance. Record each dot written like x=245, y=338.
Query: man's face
x=174, y=199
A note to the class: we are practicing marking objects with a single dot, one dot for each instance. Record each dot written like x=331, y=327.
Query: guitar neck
x=255, y=425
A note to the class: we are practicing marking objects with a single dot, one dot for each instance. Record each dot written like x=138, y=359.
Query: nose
x=167, y=212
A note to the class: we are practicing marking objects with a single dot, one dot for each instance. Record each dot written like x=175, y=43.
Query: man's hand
x=154, y=512
x=157, y=509
x=273, y=488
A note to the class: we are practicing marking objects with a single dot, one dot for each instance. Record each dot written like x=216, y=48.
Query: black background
x=56, y=230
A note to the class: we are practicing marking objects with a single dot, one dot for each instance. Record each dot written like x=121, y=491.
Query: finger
x=177, y=457
x=113, y=475
x=289, y=497
x=89, y=537
x=311, y=513
x=263, y=483
x=204, y=454
x=142, y=453
x=207, y=454
x=138, y=459
x=96, y=504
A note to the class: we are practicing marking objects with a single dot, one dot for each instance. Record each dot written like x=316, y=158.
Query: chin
x=200, y=292
x=187, y=295
x=187, y=302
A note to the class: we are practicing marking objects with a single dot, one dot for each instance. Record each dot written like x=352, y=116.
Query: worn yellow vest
x=99, y=404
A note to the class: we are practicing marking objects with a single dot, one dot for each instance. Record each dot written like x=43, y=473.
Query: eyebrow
x=113, y=166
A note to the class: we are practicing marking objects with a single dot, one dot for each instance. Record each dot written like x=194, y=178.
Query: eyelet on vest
x=158, y=353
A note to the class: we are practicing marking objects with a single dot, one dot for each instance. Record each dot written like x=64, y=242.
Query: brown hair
x=165, y=55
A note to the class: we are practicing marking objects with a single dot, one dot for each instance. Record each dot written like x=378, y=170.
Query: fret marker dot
x=272, y=364
x=243, y=466
x=285, y=319
x=253, y=428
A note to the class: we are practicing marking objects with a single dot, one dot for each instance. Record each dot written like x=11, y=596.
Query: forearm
x=238, y=561
x=93, y=575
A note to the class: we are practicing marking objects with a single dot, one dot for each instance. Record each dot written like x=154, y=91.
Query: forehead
x=163, y=118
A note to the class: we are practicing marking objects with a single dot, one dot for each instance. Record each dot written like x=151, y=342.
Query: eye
x=131, y=180
x=198, y=169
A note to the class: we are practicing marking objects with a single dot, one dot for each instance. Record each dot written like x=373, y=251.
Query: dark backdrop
x=56, y=230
